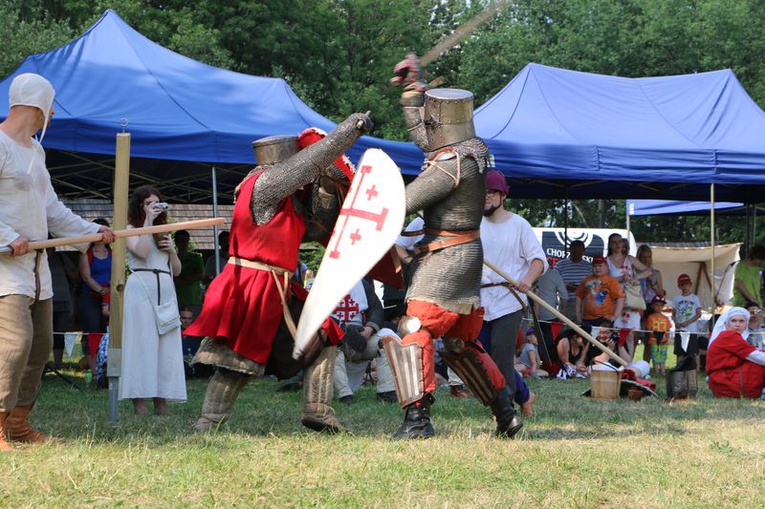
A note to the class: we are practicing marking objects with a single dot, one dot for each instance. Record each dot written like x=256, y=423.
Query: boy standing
x=659, y=325
x=686, y=313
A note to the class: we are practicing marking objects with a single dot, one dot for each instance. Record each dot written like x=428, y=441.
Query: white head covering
x=31, y=89
x=722, y=323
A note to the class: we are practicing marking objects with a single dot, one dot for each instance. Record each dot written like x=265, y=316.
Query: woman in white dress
x=627, y=270
x=152, y=358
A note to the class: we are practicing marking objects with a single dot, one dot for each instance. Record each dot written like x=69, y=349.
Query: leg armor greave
x=469, y=363
x=406, y=363
x=318, y=380
x=222, y=391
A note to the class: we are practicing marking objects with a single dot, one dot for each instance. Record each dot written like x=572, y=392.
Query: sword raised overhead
x=462, y=32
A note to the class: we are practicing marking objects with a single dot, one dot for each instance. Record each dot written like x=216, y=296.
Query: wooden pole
x=133, y=232
x=121, y=184
x=560, y=316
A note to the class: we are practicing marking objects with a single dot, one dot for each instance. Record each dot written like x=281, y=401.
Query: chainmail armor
x=286, y=177
x=450, y=277
x=412, y=103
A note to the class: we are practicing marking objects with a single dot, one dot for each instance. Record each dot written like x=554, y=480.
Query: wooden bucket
x=605, y=384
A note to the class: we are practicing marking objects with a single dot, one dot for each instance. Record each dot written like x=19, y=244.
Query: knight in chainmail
x=294, y=194
x=443, y=298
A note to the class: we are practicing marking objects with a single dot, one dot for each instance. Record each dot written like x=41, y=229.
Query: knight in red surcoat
x=250, y=309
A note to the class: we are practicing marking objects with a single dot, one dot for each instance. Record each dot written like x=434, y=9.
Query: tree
x=27, y=29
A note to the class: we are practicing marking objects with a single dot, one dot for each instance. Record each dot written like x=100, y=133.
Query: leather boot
x=222, y=391
x=318, y=389
x=4, y=445
x=17, y=427
x=417, y=420
x=508, y=422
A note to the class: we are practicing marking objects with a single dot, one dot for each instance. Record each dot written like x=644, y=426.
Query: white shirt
x=512, y=246
x=685, y=309
x=30, y=208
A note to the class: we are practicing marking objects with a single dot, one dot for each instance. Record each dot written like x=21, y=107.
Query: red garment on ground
x=437, y=321
x=242, y=305
x=730, y=374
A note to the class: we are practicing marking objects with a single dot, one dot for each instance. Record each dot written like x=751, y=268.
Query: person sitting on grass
x=528, y=363
x=572, y=351
x=735, y=368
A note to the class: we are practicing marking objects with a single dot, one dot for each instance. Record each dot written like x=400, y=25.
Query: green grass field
x=575, y=452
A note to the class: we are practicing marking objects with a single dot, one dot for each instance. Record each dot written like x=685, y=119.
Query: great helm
x=448, y=116
x=274, y=149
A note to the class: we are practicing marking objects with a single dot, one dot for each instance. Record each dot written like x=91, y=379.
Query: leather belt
x=455, y=239
x=510, y=288
x=283, y=285
x=254, y=264
x=156, y=272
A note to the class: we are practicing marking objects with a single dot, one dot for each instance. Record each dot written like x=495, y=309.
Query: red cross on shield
x=370, y=219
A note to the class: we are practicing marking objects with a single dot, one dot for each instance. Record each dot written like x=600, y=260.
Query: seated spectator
x=529, y=361
x=190, y=345
x=360, y=314
x=735, y=368
x=659, y=325
x=571, y=350
x=755, y=325
x=599, y=296
x=608, y=337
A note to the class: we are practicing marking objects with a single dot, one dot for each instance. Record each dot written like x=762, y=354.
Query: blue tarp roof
x=177, y=109
x=609, y=136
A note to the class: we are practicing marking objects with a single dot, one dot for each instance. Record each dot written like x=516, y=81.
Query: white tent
x=697, y=263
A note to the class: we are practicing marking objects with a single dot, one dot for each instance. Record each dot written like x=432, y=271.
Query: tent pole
x=215, y=214
x=627, y=213
x=712, y=237
x=566, y=205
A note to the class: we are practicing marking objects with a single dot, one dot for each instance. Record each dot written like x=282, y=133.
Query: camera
x=161, y=205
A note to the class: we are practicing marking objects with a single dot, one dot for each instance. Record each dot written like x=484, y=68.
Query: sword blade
x=462, y=32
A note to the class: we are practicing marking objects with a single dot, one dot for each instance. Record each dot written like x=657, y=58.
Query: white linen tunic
x=29, y=207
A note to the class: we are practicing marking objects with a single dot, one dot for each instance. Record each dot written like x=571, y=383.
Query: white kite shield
x=369, y=222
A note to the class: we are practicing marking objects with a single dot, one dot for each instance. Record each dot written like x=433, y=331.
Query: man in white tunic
x=29, y=210
x=510, y=244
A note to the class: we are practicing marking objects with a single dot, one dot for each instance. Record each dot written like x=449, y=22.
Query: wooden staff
x=133, y=232
x=561, y=316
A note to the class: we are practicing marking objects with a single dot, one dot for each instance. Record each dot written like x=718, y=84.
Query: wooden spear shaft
x=132, y=232
x=561, y=316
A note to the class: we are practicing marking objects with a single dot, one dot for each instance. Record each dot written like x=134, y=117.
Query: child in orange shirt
x=659, y=339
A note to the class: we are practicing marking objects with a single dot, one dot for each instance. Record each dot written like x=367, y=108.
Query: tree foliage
x=338, y=54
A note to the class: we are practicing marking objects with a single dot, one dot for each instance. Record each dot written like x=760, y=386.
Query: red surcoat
x=730, y=374
x=242, y=305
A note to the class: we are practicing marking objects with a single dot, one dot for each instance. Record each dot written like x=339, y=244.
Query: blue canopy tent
x=562, y=133
x=554, y=132
x=184, y=116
